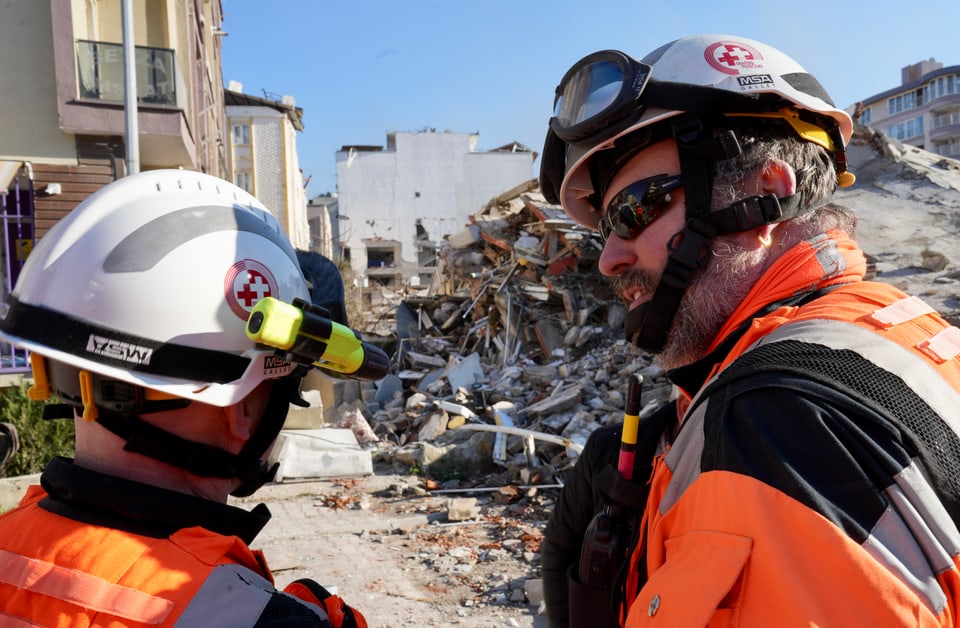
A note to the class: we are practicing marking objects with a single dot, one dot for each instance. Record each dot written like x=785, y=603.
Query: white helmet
x=150, y=281
x=607, y=96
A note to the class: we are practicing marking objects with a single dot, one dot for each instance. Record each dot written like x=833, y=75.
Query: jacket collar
x=114, y=502
x=802, y=274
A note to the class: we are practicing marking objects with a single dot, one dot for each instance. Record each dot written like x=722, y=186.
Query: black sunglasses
x=636, y=206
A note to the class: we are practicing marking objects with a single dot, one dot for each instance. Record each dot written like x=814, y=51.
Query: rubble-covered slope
x=908, y=201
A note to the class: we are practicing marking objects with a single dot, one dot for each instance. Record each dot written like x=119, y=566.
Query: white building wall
x=28, y=117
x=433, y=177
x=298, y=228
x=924, y=111
x=268, y=165
x=275, y=168
x=366, y=182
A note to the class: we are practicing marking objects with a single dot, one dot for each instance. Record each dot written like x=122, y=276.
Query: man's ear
x=778, y=178
x=240, y=420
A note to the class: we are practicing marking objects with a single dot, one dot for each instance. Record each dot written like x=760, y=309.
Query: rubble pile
x=514, y=356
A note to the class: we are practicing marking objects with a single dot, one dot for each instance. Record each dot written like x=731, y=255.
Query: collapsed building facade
x=513, y=351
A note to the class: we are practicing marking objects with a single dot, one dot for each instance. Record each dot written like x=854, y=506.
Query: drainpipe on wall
x=132, y=140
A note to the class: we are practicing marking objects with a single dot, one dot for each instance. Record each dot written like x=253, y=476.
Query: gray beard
x=710, y=299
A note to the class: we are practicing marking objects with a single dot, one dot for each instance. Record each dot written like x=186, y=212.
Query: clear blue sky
x=363, y=68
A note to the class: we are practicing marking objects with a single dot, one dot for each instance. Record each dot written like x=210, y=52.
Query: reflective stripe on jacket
x=792, y=500
x=56, y=571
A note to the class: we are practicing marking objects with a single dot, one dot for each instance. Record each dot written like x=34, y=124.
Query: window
x=915, y=127
x=100, y=73
x=380, y=258
x=942, y=86
x=866, y=117
x=903, y=102
x=242, y=180
x=906, y=130
x=241, y=133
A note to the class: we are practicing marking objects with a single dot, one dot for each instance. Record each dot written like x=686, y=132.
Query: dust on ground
x=387, y=546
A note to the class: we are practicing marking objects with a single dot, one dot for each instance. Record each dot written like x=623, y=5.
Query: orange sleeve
x=341, y=615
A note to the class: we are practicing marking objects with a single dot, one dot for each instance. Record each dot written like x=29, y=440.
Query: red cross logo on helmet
x=730, y=57
x=247, y=282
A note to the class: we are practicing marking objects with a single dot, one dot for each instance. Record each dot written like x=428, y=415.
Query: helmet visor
x=597, y=92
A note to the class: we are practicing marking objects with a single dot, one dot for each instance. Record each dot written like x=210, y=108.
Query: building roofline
x=906, y=87
x=294, y=113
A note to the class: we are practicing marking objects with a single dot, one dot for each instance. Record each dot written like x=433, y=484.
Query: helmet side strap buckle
x=90, y=412
x=40, y=390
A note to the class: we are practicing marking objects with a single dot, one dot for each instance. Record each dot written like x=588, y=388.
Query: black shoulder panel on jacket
x=284, y=611
x=791, y=398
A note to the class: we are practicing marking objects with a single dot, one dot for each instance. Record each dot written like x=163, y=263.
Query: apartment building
x=62, y=115
x=262, y=156
x=924, y=111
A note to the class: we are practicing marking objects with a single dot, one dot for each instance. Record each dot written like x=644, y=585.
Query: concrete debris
x=515, y=354
x=517, y=313
x=322, y=453
x=463, y=509
x=511, y=360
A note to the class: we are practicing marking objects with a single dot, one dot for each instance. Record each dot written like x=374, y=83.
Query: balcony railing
x=100, y=71
x=949, y=150
x=948, y=119
x=16, y=217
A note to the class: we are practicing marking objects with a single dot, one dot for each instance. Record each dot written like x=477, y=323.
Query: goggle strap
x=552, y=168
x=64, y=333
x=752, y=212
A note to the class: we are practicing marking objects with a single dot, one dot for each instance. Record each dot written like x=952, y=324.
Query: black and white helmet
x=151, y=280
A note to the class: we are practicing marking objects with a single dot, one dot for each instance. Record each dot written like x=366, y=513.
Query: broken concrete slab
x=463, y=509
x=321, y=453
x=464, y=372
x=564, y=399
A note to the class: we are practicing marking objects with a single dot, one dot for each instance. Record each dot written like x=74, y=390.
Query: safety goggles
x=636, y=206
x=598, y=92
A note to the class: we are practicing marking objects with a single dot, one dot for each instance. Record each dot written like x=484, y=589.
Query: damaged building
x=396, y=202
x=508, y=356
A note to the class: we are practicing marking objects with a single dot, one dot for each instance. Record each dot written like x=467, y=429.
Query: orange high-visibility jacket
x=61, y=565
x=824, y=491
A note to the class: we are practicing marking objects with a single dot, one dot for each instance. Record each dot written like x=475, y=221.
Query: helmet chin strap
x=254, y=471
x=648, y=325
x=249, y=465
